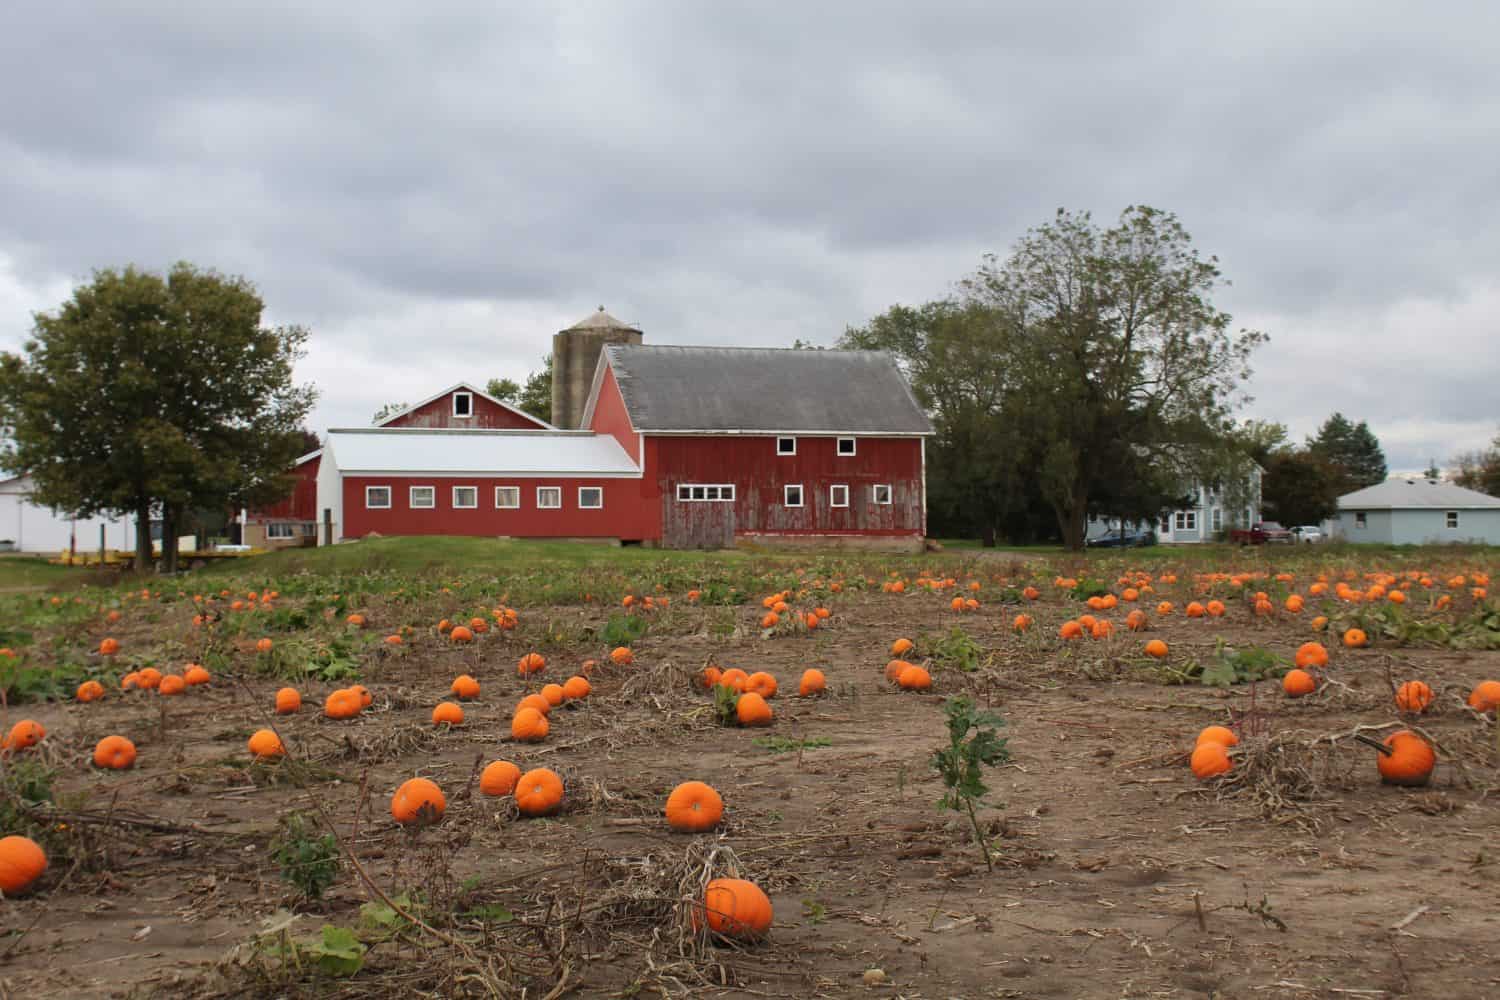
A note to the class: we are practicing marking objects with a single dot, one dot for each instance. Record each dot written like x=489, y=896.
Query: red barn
x=674, y=446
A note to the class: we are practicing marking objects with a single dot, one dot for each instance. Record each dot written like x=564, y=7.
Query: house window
x=280, y=531
x=1185, y=520
x=792, y=494
x=463, y=404
x=846, y=447
x=1359, y=519
x=786, y=446
x=710, y=492
x=1166, y=524
x=507, y=497
x=1218, y=519
x=838, y=495
x=465, y=497
x=590, y=497
x=549, y=497
x=1452, y=518
x=423, y=497
x=377, y=497
x=881, y=493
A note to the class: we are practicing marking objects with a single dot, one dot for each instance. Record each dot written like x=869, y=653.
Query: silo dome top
x=601, y=320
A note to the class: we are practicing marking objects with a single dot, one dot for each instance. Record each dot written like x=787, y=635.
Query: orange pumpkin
x=357, y=620
x=893, y=670
x=621, y=656
x=263, y=645
x=901, y=647
x=537, y=702
x=418, y=801
x=464, y=687
x=1194, y=610
x=499, y=778
x=461, y=634
x=1485, y=697
x=914, y=678
x=342, y=704
x=1164, y=608
x=90, y=691
x=1311, y=655
x=577, y=688
x=710, y=677
x=447, y=713
x=22, y=862
x=114, y=752
x=1209, y=758
x=1414, y=697
x=693, y=807
x=1355, y=638
x=1298, y=682
x=554, y=694
x=265, y=744
x=148, y=678
x=813, y=683
x=1215, y=609
x=1405, y=759
x=761, y=683
x=109, y=647
x=24, y=735
x=363, y=693
x=288, y=700
x=171, y=684
x=539, y=792
x=1222, y=735
x=195, y=675
x=751, y=710
x=531, y=663
x=1070, y=630
x=734, y=678
x=1156, y=648
x=1020, y=623
x=529, y=726
x=735, y=908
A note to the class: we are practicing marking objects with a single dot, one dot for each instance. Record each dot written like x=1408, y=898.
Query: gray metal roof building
x=1419, y=512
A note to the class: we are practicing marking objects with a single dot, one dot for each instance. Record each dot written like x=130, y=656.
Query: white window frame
x=466, y=506
x=1359, y=519
x=875, y=494
x=557, y=490
x=411, y=497
x=514, y=491
x=590, y=506
x=833, y=494
x=1450, y=519
x=1218, y=519
x=705, y=493
x=465, y=395
x=786, y=440
x=1166, y=524
x=786, y=495
x=378, y=506
x=1185, y=520
x=838, y=447
x=289, y=529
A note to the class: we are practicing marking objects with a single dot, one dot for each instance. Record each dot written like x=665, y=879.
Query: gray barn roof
x=764, y=390
x=1402, y=494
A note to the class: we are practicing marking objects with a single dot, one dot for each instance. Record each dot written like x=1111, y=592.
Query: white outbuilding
x=1419, y=512
x=30, y=527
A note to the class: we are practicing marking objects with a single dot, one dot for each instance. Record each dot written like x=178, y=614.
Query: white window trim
x=786, y=495
x=548, y=506
x=596, y=506
x=411, y=498
x=875, y=494
x=784, y=454
x=271, y=532
x=508, y=506
x=463, y=416
x=378, y=506
x=466, y=506
x=1185, y=520
x=1450, y=519
x=833, y=494
x=725, y=492
x=838, y=447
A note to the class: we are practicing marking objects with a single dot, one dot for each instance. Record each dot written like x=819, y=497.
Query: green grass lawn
x=24, y=572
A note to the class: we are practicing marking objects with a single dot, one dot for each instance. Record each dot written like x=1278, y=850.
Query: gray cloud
x=435, y=191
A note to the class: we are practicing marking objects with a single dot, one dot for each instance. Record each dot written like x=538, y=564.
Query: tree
x=504, y=389
x=388, y=410
x=146, y=394
x=1260, y=438
x=1299, y=487
x=1479, y=470
x=536, y=395
x=1353, y=450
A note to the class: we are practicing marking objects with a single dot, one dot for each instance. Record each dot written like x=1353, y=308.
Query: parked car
x=1129, y=540
x=1276, y=534
x=1308, y=534
x=1266, y=532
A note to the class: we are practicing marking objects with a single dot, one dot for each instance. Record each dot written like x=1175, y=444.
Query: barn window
x=846, y=446
x=309, y=529
x=463, y=404
x=465, y=497
x=549, y=497
x=792, y=494
x=1452, y=517
x=423, y=497
x=1359, y=519
x=507, y=497
x=838, y=495
x=881, y=493
x=786, y=446
x=377, y=497
x=590, y=497
x=712, y=492
x=280, y=531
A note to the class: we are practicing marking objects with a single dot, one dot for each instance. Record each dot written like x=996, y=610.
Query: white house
x=33, y=528
x=1418, y=512
x=1212, y=512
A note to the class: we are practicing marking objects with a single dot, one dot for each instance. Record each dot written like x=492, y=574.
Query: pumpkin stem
x=1373, y=742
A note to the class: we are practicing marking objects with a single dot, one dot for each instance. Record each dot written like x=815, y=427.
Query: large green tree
x=1479, y=470
x=1299, y=487
x=1352, y=449
x=148, y=394
x=536, y=394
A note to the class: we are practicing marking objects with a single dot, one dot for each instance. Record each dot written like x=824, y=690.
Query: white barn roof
x=477, y=452
x=1404, y=494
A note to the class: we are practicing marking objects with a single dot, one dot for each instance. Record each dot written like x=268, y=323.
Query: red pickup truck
x=1264, y=533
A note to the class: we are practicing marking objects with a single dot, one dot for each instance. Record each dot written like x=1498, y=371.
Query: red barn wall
x=624, y=515
x=611, y=417
x=302, y=503
x=487, y=416
x=758, y=474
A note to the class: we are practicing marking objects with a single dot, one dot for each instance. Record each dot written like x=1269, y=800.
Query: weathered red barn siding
x=487, y=416
x=610, y=416
x=302, y=503
x=759, y=474
x=624, y=515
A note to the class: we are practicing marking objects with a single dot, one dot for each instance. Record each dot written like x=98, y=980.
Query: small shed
x=1419, y=512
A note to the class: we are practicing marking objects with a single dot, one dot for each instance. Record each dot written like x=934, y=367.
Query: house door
x=697, y=525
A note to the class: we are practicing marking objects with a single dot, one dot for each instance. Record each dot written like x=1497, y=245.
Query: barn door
x=695, y=525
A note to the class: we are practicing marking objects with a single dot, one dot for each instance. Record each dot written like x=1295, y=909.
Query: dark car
x=1129, y=540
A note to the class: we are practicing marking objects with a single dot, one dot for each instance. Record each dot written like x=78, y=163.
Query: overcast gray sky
x=435, y=188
